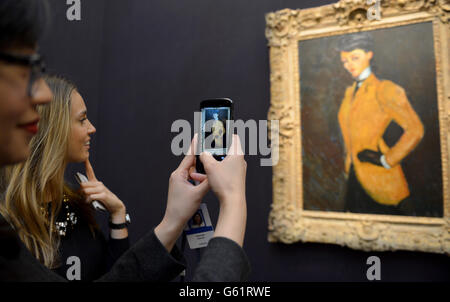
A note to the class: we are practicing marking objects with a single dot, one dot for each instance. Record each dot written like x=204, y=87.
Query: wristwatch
x=119, y=226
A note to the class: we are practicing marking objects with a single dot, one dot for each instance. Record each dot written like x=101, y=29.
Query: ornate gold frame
x=288, y=222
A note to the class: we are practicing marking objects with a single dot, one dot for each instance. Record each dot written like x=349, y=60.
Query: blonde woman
x=54, y=221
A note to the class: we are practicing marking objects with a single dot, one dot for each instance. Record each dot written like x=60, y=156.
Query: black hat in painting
x=351, y=42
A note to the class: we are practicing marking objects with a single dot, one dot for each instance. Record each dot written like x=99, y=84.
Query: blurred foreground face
x=81, y=130
x=356, y=61
x=18, y=115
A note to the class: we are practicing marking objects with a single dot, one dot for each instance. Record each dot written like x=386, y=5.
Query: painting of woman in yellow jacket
x=218, y=130
x=376, y=181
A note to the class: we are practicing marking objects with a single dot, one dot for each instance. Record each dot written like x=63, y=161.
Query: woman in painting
x=376, y=182
x=218, y=131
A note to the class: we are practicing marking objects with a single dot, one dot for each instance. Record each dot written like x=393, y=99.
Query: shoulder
x=389, y=88
x=349, y=90
x=8, y=239
x=389, y=93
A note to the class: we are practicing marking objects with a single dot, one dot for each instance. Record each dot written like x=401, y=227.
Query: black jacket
x=147, y=260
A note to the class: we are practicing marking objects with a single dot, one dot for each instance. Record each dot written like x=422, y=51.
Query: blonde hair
x=40, y=179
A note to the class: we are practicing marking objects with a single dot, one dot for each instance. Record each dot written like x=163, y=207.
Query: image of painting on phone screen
x=214, y=129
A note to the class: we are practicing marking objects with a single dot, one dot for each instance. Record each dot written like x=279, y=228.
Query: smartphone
x=96, y=204
x=215, y=134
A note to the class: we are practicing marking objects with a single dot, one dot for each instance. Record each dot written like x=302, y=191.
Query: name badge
x=199, y=229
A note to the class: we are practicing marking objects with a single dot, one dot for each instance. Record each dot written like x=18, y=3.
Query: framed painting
x=363, y=105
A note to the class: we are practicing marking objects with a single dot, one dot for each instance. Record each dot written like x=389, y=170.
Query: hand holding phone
x=227, y=181
x=227, y=178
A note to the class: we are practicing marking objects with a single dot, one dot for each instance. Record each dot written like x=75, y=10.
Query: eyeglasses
x=34, y=61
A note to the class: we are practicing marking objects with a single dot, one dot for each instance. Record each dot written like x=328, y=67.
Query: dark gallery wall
x=140, y=65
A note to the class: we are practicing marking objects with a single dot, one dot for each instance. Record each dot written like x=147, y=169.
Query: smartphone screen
x=215, y=136
x=214, y=129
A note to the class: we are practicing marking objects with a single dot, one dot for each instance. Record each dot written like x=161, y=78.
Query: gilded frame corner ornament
x=288, y=222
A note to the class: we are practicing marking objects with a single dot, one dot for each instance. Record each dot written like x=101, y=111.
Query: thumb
x=203, y=187
x=236, y=147
x=207, y=160
x=197, y=176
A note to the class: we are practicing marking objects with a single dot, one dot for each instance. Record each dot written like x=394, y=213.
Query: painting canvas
x=394, y=113
x=362, y=106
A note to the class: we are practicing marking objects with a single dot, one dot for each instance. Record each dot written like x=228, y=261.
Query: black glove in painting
x=369, y=156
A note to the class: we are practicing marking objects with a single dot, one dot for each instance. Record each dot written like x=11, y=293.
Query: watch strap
x=119, y=226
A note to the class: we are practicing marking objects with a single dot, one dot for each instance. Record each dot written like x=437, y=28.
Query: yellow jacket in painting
x=363, y=119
